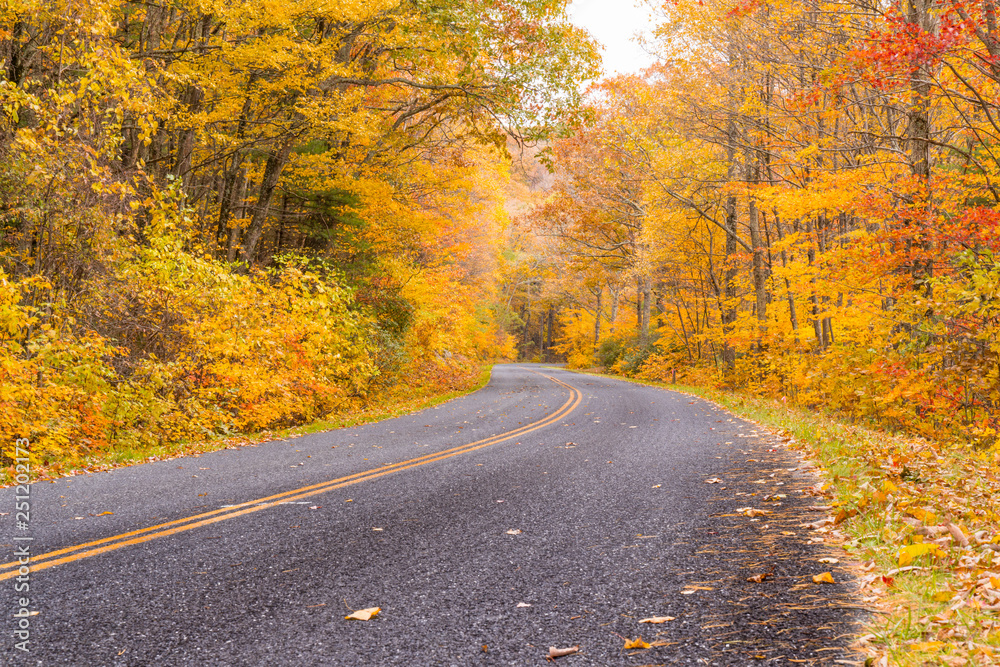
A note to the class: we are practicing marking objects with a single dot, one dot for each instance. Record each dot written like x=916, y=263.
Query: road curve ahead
x=547, y=509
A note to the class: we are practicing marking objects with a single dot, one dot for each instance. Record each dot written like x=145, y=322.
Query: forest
x=226, y=217
x=799, y=201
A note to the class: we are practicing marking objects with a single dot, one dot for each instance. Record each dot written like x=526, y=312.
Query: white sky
x=613, y=23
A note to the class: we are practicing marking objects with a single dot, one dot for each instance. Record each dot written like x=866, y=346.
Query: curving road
x=547, y=509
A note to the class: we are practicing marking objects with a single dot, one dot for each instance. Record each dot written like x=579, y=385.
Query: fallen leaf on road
x=523, y=604
x=560, y=652
x=514, y=531
x=657, y=486
x=752, y=512
x=714, y=480
x=825, y=578
x=635, y=643
x=364, y=614
x=818, y=508
x=106, y=513
x=657, y=619
x=759, y=578
x=378, y=529
x=829, y=561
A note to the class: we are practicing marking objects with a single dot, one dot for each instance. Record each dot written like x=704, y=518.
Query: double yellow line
x=97, y=547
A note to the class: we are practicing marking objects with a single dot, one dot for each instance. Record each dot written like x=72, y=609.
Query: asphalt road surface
x=547, y=509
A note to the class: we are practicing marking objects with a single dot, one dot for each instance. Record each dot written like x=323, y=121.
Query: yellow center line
x=107, y=544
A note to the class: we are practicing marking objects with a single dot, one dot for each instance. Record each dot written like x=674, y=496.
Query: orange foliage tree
x=820, y=211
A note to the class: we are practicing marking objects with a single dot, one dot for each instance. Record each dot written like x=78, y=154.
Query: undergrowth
x=423, y=389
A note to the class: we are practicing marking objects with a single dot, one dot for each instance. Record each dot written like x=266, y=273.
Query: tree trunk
x=647, y=303
x=792, y=316
x=548, y=342
x=918, y=147
x=814, y=298
x=234, y=231
x=185, y=142
x=614, y=308
x=729, y=305
x=759, y=273
x=272, y=174
x=597, y=317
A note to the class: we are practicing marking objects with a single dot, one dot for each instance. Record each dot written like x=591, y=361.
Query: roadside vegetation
x=223, y=219
x=394, y=401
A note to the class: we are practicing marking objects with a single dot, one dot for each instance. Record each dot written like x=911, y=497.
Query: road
x=547, y=509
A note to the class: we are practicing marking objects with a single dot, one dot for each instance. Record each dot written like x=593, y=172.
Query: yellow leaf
x=825, y=578
x=752, y=512
x=657, y=619
x=364, y=614
x=921, y=514
x=927, y=646
x=635, y=643
x=943, y=596
x=908, y=553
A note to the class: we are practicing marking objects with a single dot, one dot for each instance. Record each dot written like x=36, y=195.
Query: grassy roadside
x=399, y=400
x=922, y=520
